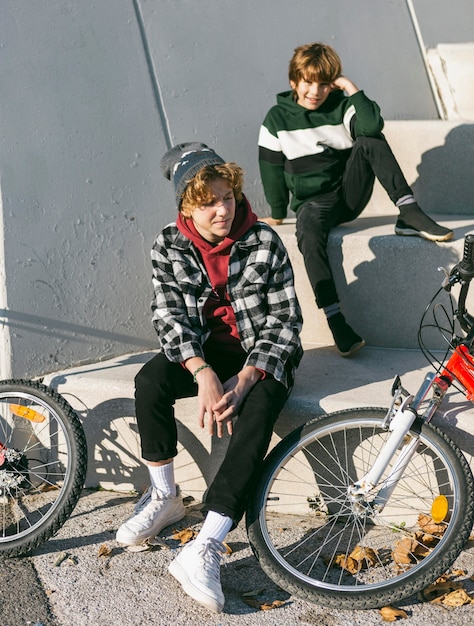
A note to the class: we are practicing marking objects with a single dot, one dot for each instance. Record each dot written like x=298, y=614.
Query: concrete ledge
x=102, y=394
x=384, y=281
x=436, y=157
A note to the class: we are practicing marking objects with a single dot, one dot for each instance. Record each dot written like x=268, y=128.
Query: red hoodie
x=218, y=309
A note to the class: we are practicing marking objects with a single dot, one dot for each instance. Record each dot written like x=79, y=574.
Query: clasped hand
x=219, y=403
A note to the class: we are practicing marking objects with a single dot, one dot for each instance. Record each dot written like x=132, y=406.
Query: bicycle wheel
x=315, y=541
x=43, y=462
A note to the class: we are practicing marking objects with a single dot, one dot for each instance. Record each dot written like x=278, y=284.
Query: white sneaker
x=152, y=513
x=197, y=568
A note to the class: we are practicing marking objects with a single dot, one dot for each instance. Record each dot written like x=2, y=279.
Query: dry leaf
x=365, y=556
x=360, y=558
x=436, y=590
x=422, y=544
x=403, y=550
x=458, y=572
x=455, y=598
x=185, y=535
x=267, y=606
x=104, y=550
x=442, y=579
x=347, y=563
x=427, y=525
x=143, y=547
x=263, y=606
x=45, y=487
x=391, y=614
x=446, y=591
x=62, y=556
x=228, y=549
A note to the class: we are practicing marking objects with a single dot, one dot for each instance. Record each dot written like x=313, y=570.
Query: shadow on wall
x=19, y=321
x=445, y=181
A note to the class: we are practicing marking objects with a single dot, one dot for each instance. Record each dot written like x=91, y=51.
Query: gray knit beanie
x=183, y=162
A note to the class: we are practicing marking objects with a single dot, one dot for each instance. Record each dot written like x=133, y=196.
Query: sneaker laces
x=147, y=508
x=144, y=500
x=147, y=497
x=211, y=554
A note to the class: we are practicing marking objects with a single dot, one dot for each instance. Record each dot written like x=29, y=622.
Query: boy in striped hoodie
x=320, y=149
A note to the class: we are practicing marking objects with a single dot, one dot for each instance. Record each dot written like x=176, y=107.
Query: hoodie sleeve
x=271, y=162
x=367, y=121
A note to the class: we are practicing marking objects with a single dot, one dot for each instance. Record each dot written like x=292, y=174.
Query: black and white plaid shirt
x=260, y=287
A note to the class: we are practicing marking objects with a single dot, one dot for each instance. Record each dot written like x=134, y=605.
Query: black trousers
x=157, y=386
x=371, y=157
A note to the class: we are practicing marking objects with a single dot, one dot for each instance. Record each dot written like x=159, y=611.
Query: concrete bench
x=103, y=395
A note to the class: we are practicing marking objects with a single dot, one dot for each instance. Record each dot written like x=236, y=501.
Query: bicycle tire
x=301, y=519
x=43, y=464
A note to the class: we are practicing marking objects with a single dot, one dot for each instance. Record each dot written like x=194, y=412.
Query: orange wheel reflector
x=27, y=413
x=439, y=509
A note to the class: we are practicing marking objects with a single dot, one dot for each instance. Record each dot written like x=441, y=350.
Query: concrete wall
x=92, y=96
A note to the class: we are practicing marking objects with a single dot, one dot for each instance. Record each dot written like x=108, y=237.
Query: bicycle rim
x=314, y=540
x=43, y=463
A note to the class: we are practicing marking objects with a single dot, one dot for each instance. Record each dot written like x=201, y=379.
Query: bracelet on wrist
x=199, y=369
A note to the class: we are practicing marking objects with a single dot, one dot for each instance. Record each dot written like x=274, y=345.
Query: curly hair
x=198, y=193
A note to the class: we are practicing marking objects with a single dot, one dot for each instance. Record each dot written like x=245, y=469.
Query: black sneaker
x=414, y=222
x=347, y=341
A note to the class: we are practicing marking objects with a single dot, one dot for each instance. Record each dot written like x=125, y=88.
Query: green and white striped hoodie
x=304, y=152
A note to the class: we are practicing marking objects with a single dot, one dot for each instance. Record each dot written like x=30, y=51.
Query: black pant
x=370, y=157
x=159, y=383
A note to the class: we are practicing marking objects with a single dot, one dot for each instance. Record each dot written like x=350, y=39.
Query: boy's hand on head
x=271, y=221
x=344, y=83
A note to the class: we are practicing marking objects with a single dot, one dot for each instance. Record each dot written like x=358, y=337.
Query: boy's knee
x=378, y=142
x=312, y=236
x=146, y=376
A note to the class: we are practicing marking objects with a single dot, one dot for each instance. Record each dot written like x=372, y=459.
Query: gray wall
x=92, y=96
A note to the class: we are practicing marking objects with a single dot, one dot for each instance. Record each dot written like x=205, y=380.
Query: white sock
x=162, y=478
x=332, y=309
x=216, y=526
x=405, y=200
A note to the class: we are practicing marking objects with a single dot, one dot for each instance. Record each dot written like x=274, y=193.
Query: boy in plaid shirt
x=228, y=323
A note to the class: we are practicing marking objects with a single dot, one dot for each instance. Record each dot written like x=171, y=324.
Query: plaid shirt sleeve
x=269, y=320
x=179, y=286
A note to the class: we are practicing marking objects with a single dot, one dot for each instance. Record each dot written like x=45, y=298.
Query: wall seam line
x=419, y=38
x=154, y=78
x=5, y=338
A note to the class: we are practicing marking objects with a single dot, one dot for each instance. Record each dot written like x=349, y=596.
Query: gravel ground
x=126, y=588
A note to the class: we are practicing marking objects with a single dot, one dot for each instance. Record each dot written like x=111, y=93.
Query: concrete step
x=103, y=395
x=436, y=158
x=384, y=281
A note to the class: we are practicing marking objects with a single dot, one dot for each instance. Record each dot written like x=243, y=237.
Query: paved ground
x=133, y=589
x=22, y=597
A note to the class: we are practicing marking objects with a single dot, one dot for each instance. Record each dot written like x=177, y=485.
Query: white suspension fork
x=399, y=427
